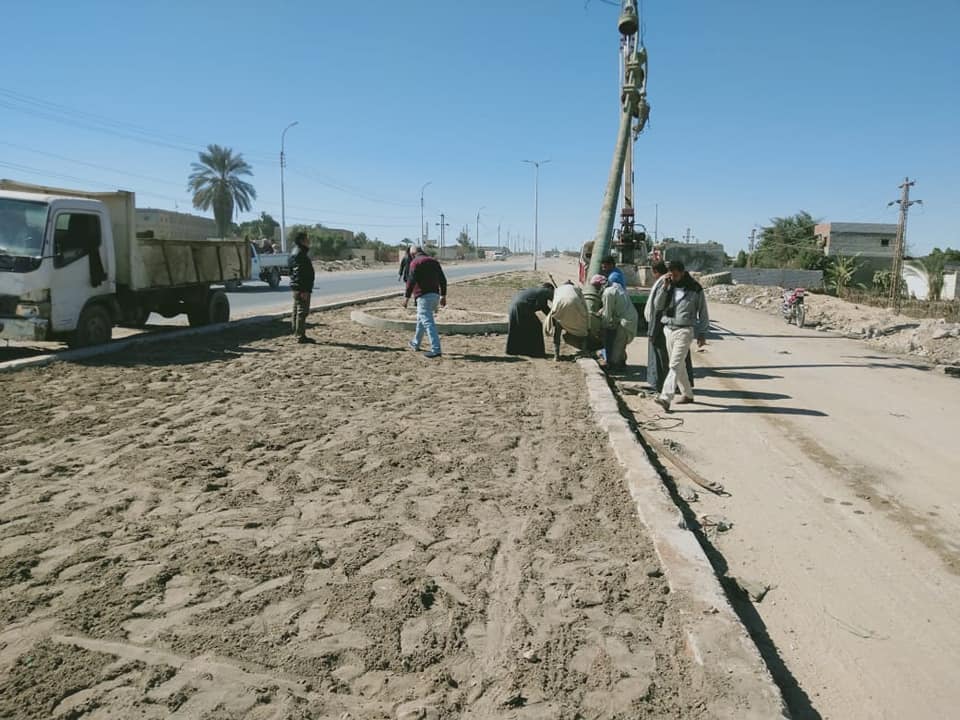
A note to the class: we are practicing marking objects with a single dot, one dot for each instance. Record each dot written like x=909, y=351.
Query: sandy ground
x=241, y=527
x=841, y=463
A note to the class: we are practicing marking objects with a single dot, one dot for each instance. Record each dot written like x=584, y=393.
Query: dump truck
x=73, y=266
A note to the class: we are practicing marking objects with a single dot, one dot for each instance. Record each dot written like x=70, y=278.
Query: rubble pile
x=932, y=339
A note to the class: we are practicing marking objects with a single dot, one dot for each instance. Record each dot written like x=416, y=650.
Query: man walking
x=428, y=286
x=405, y=265
x=301, y=283
x=657, y=359
x=684, y=307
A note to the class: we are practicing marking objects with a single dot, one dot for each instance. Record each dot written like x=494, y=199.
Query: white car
x=499, y=255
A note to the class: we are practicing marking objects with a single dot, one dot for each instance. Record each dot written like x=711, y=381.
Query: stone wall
x=776, y=277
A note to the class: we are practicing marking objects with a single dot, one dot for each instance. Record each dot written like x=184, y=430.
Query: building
x=171, y=225
x=874, y=243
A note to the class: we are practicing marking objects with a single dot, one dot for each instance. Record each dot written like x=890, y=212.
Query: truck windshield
x=22, y=224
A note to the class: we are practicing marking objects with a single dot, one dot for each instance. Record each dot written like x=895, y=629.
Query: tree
x=216, y=183
x=933, y=266
x=463, y=240
x=790, y=242
x=262, y=227
x=840, y=271
x=741, y=261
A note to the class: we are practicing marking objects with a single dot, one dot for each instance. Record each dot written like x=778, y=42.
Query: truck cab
x=56, y=262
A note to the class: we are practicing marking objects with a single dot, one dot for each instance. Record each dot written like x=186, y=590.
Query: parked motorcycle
x=792, y=308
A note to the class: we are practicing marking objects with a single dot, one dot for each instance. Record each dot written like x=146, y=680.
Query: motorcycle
x=792, y=308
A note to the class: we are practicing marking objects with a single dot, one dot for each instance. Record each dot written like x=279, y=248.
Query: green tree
x=262, y=227
x=790, y=242
x=933, y=267
x=741, y=261
x=463, y=240
x=216, y=182
x=840, y=271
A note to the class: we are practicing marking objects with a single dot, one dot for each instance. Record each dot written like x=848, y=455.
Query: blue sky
x=759, y=108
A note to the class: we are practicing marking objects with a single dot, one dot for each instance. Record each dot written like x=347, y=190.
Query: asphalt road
x=257, y=297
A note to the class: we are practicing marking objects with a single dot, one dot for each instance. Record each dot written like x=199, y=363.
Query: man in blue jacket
x=608, y=266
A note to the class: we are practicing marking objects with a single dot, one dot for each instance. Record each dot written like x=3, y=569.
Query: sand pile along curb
x=717, y=641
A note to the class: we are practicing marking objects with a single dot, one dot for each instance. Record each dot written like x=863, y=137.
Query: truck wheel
x=218, y=307
x=273, y=278
x=137, y=318
x=95, y=327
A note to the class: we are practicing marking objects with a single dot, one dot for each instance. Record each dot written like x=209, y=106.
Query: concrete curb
x=716, y=640
x=474, y=328
x=153, y=337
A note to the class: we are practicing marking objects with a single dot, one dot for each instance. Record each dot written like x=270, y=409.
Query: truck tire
x=273, y=278
x=95, y=327
x=137, y=318
x=215, y=309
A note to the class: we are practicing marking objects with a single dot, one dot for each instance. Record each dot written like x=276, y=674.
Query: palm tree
x=841, y=271
x=215, y=182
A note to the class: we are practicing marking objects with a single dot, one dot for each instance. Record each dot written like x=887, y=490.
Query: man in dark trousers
x=428, y=286
x=524, y=331
x=405, y=264
x=301, y=283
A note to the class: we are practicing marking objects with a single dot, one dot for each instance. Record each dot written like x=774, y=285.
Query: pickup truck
x=267, y=267
x=72, y=266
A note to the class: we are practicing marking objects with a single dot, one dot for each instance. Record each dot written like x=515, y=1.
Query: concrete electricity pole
x=424, y=234
x=283, y=199
x=656, y=222
x=477, y=239
x=896, y=281
x=753, y=245
x=687, y=236
x=536, y=208
x=443, y=232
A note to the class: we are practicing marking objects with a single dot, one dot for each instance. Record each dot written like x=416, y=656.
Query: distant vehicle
x=267, y=267
x=72, y=266
x=499, y=255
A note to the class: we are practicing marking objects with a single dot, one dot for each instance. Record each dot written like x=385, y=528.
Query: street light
x=536, y=208
x=422, y=226
x=283, y=204
x=477, y=239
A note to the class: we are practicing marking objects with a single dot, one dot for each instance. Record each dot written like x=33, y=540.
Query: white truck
x=72, y=266
x=268, y=267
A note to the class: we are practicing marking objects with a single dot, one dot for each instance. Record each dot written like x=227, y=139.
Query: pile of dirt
x=238, y=526
x=934, y=340
x=337, y=265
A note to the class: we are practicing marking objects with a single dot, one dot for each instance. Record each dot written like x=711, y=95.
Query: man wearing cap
x=683, y=305
x=619, y=322
x=428, y=286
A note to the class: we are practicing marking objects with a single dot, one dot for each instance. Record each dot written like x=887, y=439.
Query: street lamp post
x=536, y=208
x=477, y=239
x=283, y=203
x=422, y=226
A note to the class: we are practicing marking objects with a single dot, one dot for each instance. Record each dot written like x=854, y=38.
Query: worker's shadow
x=756, y=409
x=490, y=358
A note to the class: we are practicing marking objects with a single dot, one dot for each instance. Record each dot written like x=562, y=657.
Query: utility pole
x=686, y=237
x=283, y=199
x=498, y=236
x=896, y=281
x=423, y=239
x=753, y=245
x=477, y=238
x=443, y=232
x=536, y=208
x=656, y=221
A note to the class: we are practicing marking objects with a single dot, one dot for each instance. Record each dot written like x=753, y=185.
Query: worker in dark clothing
x=301, y=283
x=428, y=286
x=405, y=261
x=525, y=332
